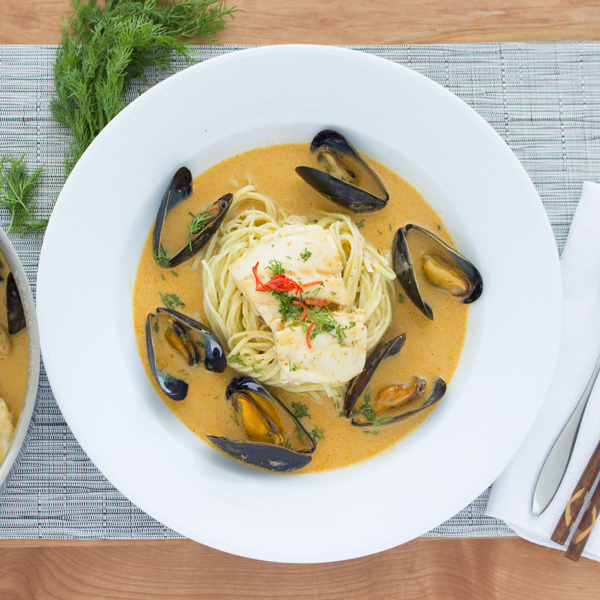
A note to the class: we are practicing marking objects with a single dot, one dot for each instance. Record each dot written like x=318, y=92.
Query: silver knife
x=555, y=467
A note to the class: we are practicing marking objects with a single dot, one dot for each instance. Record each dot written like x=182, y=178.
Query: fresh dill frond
x=300, y=410
x=369, y=412
x=317, y=434
x=235, y=358
x=198, y=223
x=105, y=47
x=18, y=188
x=276, y=267
x=171, y=300
x=306, y=254
x=161, y=259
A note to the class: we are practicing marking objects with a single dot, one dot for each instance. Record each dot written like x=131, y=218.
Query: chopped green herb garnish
x=305, y=255
x=257, y=371
x=380, y=233
x=156, y=326
x=378, y=251
x=352, y=324
x=317, y=434
x=162, y=260
x=235, y=358
x=293, y=367
x=199, y=222
x=163, y=277
x=287, y=444
x=234, y=418
x=369, y=413
x=439, y=227
x=175, y=273
x=390, y=226
x=169, y=331
x=166, y=377
x=276, y=267
x=171, y=300
x=300, y=410
x=401, y=298
x=360, y=224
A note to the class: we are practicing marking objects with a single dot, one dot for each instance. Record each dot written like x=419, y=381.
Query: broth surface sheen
x=432, y=348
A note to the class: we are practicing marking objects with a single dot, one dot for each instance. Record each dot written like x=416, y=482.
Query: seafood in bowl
x=316, y=294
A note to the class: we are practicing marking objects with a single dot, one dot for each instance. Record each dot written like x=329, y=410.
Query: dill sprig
x=198, y=223
x=17, y=194
x=171, y=301
x=104, y=48
x=369, y=412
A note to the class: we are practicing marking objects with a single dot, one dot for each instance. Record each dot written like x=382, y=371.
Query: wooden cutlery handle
x=586, y=525
x=577, y=499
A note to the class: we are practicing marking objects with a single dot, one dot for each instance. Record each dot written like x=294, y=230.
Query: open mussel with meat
x=190, y=339
x=346, y=179
x=441, y=265
x=275, y=438
x=393, y=402
x=203, y=226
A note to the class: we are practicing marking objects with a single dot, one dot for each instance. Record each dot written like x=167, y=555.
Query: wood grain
x=577, y=499
x=585, y=527
x=354, y=21
x=425, y=569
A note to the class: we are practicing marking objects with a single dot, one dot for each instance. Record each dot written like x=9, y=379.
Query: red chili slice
x=308, y=334
x=303, y=306
x=260, y=286
x=311, y=283
x=316, y=301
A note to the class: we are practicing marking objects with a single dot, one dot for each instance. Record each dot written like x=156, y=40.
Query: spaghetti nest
x=250, y=342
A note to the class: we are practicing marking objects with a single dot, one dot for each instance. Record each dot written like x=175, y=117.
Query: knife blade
x=557, y=461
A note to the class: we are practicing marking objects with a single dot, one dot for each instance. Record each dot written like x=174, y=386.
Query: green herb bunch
x=104, y=48
x=17, y=194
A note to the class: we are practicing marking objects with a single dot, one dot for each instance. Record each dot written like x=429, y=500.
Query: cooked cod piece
x=6, y=429
x=307, y=253
x=327, y=361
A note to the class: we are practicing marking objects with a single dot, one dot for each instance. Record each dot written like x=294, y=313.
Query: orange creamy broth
x=431, y=349
x=14, y=367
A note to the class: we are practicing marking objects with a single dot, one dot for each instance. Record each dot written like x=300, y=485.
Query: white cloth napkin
x=512, y=493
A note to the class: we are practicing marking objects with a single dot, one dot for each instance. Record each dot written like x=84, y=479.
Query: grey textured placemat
x=543, y=99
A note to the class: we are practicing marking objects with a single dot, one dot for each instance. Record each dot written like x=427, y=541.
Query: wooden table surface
x=426, y=568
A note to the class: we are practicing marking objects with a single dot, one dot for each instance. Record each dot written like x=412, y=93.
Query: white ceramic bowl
x=282, y=94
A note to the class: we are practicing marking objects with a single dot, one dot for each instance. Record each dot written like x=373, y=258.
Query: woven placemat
x=543, y=99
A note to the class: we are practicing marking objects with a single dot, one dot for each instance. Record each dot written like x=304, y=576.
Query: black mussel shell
x=266, y=456
x=243, y=384
x=175, y=389
x=403, y=266
x=439, y=389
x=14, y=306
x=215, y=358
x=179, y=189
x=271, y=457
x=341, y=192
x=359, y=383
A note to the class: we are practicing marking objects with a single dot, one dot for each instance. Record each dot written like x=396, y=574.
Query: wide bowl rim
x=256, y=55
